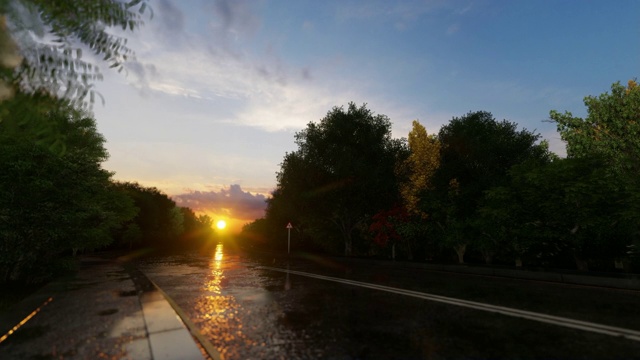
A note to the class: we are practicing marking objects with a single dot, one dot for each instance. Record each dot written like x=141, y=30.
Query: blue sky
x=219, y=87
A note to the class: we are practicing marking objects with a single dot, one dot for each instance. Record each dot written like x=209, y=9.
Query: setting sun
x=221, y=224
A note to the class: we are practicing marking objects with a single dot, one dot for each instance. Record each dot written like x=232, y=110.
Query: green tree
x=342, y=172
x=611, y=129
x=54, y=123
x=42, y=41
x=476, y=154
x=609, y=132
x=157, y=217
x=581, y=208
x=195, y=232
x=51, y=205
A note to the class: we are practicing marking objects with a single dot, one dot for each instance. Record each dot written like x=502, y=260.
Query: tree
x=578, y=208
x=415, y=175
x=42, y=42
x=476, y=154
x=386, y=226
x=54, y=123
x=342, y=172
x=41, y=61
x=51, y=205
x=157, y=217
x=611, y=129
x=56, y=197
x=610, y=132
x=419, y=168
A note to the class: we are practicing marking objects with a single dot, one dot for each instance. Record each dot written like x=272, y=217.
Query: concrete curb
x=184, y=320
x=167, y=334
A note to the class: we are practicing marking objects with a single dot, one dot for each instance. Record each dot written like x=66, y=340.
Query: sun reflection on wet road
x=219, y=253
x=219, y=318
x=249, y=312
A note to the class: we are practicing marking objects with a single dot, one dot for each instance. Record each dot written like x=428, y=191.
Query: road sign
x=289, y=226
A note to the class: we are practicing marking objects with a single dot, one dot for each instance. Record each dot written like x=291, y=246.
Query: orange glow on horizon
x=233, y=226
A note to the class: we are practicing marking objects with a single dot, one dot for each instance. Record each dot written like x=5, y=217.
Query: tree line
x=478, y=190
x=56, y=200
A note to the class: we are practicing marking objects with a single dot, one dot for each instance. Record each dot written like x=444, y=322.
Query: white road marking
x=550, y=319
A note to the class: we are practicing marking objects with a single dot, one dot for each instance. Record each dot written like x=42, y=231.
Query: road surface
x=260, y=307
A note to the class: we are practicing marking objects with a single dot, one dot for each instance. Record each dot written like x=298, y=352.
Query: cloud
x=171, y=20
x=237, y=15
x=233, y=202
x=556, y=144
x=232, y=21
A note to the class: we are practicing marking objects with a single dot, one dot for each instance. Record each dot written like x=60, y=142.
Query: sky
x=218, y=88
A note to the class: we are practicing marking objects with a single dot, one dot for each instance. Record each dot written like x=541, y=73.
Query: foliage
x=155, y=217
x=385, y=223
x=43, y=42
x=55, y=197
x=53, y=123
x=341, y=174
x=481, y=187
x=159, y=223
x=476, y=154
x=611, y=129
x=418, y=168
x=610, y=133
x=50, y=205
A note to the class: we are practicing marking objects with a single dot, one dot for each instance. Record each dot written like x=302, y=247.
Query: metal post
x=289, y=227
x=288, y=241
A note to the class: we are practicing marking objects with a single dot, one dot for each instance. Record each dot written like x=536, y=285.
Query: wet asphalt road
x=248, y=311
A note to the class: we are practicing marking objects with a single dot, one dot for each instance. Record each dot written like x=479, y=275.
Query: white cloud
x=234, y=202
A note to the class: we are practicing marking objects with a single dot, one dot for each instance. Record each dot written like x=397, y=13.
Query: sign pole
x=289, y=226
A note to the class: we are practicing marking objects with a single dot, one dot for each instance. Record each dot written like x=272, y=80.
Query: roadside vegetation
x=56, y=199
x=479, y=190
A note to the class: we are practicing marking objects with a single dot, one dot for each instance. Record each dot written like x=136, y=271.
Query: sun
x=221, y=224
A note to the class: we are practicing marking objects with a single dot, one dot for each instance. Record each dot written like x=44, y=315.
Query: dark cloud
x=234, y=201
x=142, y=72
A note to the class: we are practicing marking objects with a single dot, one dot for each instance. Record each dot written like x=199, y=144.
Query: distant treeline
x=56, y=200
x=479, y=190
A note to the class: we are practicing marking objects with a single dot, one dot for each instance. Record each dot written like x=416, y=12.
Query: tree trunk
x=518, y=262
x=409, y=251
x=581, y=263
x=488, y=257
x=348, y=246
x=460, y=250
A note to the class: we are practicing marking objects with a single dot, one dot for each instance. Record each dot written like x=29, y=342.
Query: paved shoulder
x=99, y=313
